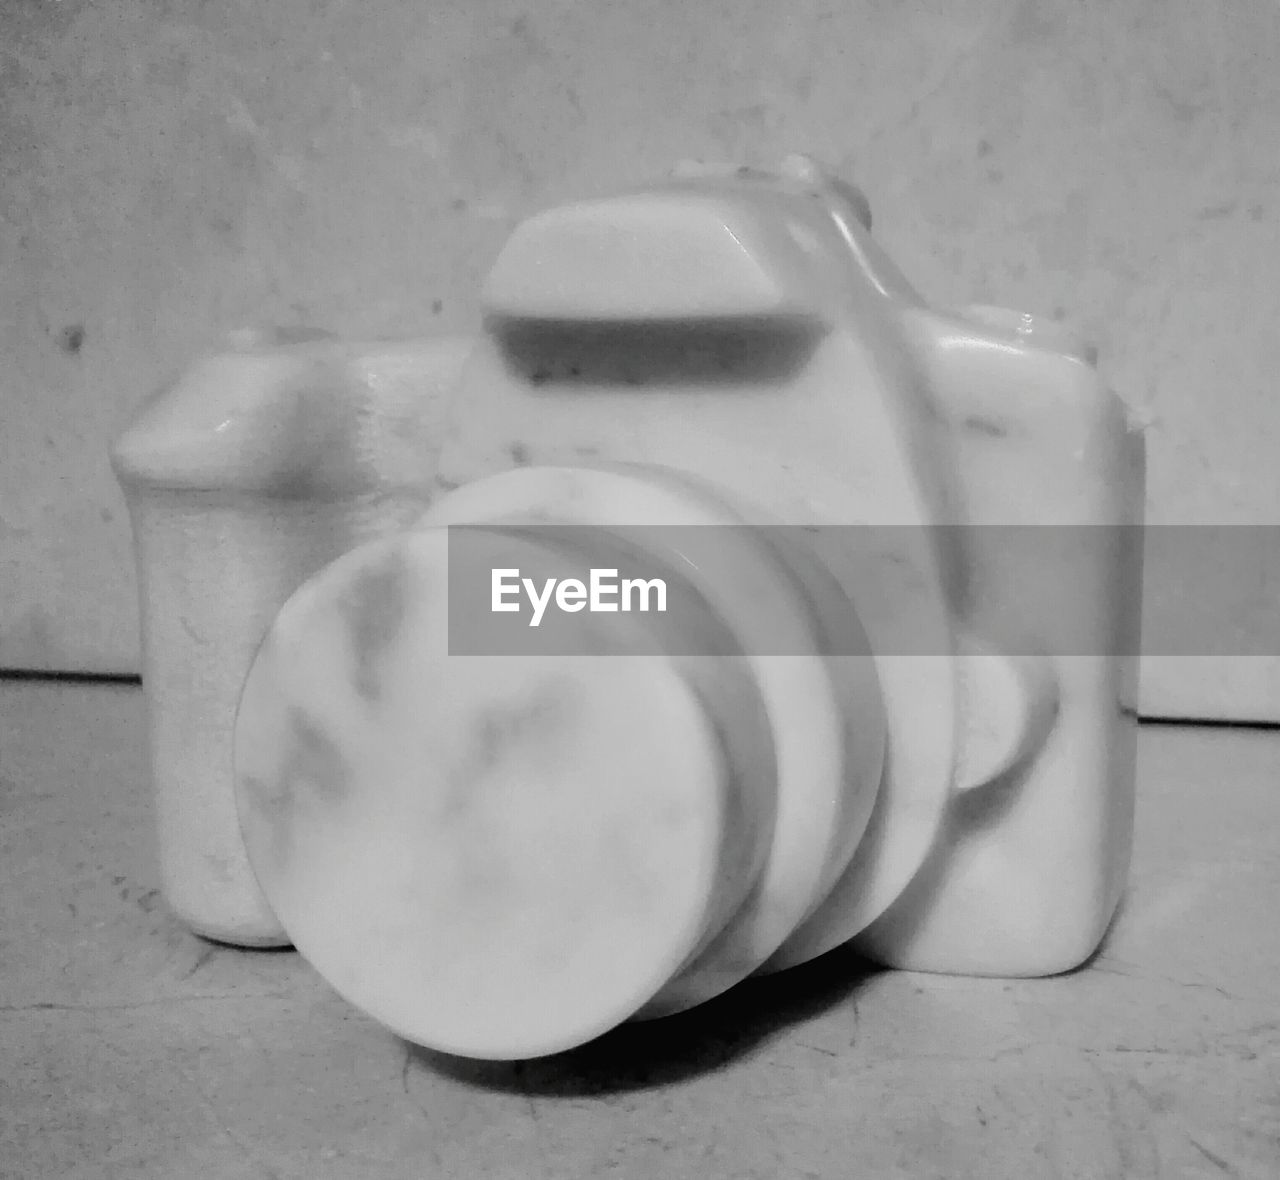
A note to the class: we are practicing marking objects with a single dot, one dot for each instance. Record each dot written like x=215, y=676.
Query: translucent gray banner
x=1062, y=590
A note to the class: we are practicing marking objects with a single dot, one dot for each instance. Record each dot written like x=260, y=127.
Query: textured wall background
x=169, y=171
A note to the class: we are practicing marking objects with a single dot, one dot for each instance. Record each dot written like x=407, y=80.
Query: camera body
x=923, y=552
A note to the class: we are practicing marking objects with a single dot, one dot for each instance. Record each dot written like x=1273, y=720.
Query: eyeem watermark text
x=604, y=592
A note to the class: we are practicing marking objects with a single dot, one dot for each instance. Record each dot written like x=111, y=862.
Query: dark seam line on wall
x=134, y=679
x=70, y=677
x=1209, y=723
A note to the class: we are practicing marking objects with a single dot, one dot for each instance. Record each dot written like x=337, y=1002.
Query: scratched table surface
x=128, y=1047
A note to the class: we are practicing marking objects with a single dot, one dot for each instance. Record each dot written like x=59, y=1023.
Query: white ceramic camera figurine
x=717, y=604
